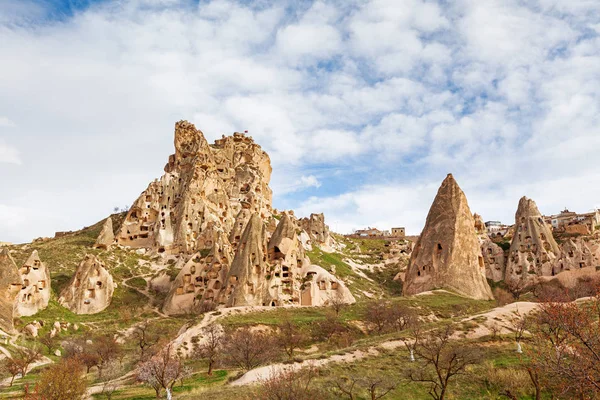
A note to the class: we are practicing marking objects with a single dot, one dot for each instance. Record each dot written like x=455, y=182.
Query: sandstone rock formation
x=201, y=282
x=264, y=274
x=494, y=260
x=203, y=190
x=448, y=254
x=479, y=224
x=35, y=292
x=533, y=250
x=106, y=237
x=91, y=288
x=10, y=285
x=574, y=254
x=316, y=229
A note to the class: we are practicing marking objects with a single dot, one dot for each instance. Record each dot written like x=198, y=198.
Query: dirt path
x=503, y=314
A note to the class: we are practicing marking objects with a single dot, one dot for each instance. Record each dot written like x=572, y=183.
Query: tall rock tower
x=448, y=254
x=11, y=284
x=203, y=190
x=533, y=250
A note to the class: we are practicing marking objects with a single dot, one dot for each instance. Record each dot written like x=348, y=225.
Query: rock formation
x=261, y=274
x=533, y=250
x=200, y=284
x=35, y=293
x=248, y=277
x=316, y=229
x=448, y=254
x=479, y=224
x=573, y=255
x=91, y=288
x=203, y=190
x=494, y=260
x=106, y=237
x=10, y=285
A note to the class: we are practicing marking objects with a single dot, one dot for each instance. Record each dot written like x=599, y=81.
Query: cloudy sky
x=363, y=105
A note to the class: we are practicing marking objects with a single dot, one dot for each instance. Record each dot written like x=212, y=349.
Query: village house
x=399, y=232
x=371, y=232
x=572, y=222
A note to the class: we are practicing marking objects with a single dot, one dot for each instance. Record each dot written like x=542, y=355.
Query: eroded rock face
x=574, y=254
x=10, y=286
x=262, y=273
x=494, y=260
x=91, y=288
x=533, y=250
x=316, y=229
x=479, y=224
x=201, y=194
x=448, y=254
x=201, y=282
x=248, y=280
x=35, y=293
x=106, y=237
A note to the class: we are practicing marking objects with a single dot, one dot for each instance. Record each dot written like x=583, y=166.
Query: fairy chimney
x=10, y=286
x=447, y=254
x=533, y=250
x=106, y=237
x=35, y=293
x=90, y=289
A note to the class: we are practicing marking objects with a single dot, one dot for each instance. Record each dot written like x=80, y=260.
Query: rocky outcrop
x=479, y=224
x=106, y=237
x=91, y=288
x=248, y=277
x=574, y=254
x=533, y=250
x=316, y=229
x=494, y=260
x=201, y=283
x=10, y=286
x=262, y=273
x=35, y=293
x=201, y=194
x=448, y=254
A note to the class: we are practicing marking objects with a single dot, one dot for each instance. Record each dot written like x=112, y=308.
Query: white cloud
x=9, y=154
x=6, y=123
x=364, y=104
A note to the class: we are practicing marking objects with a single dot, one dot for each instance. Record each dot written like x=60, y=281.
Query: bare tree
x=144, y=338
x=337, y=303
x=290, y=384
x=565, y=351
x=163, y=370
x=64, y=380
x=441, y=360
x=326, y=329
x=49, y=342
x=211, y=345
x=365, y=384
x=109, y=384
x=290, y=336
x=248, y=349
x=385, y=316
x=106, y=349
x=20, y=361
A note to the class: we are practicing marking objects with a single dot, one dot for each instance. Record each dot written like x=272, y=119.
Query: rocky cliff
x=35, y=293
x=533, y=250
x=10, y=286
x=106, y=237
x=448, y=253
x=90, y=290
x=201, y=194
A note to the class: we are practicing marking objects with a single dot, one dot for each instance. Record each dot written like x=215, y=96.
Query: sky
x=364, y=106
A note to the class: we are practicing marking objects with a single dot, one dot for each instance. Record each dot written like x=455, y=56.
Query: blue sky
x=363, y=105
